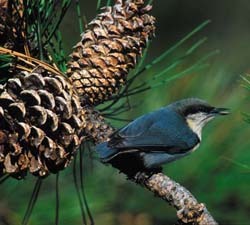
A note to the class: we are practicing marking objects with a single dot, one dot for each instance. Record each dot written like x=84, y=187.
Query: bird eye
x=202, y=109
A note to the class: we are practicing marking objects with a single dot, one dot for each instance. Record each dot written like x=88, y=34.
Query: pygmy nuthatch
x=158, y=137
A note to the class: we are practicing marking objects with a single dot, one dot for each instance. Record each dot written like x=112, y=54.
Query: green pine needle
x=108, y=3
x=5, y=63
x=179, y=60
x=80, y=21
x=98, y=5
x=178, y=44
x=142, y=60
x=195, y=67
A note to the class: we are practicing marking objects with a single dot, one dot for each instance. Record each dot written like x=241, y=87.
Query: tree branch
x=189, y=210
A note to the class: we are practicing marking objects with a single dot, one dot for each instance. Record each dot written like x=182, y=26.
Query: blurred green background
x=218, y=174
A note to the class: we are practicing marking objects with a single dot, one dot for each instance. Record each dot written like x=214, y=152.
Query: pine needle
x=108, y=3
x=83, y=189
x=98, y=5
x=179, y=43
x=28, y=60
x=57, y=200
x=80, y=21
x=32, y=201
x=4, y=178
x=79, y=193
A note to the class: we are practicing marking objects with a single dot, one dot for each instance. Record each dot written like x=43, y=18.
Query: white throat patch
x=197, y=121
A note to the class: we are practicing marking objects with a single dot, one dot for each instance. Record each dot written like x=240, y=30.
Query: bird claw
x=141, y=177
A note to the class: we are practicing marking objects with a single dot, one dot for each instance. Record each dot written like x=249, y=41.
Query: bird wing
x=156, y=132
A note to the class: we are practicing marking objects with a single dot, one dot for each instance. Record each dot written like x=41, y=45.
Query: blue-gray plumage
x=158, y=137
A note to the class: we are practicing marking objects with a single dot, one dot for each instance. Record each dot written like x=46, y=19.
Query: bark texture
x=189, y=210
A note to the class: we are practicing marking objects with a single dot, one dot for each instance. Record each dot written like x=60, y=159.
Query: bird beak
x=220, y=111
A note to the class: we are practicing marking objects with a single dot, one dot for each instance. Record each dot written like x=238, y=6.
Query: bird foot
x=142, y=176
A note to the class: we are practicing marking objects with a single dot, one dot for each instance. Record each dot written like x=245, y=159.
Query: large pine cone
x=41, y=124
x=110, y=47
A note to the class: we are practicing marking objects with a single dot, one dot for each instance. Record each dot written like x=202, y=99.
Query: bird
x=159, y=137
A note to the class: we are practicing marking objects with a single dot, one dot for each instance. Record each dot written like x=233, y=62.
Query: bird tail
x=104, y=152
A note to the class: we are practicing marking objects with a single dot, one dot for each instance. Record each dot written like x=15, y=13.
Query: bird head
x=197, y=113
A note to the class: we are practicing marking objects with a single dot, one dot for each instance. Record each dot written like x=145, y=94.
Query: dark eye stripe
x=197, y=108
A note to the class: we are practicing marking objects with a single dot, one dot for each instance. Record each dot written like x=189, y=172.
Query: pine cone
x=110, y=47
x=96, y=127
x=44, y=117
x=10, y=26
x=3, y=12
x=42, y=124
